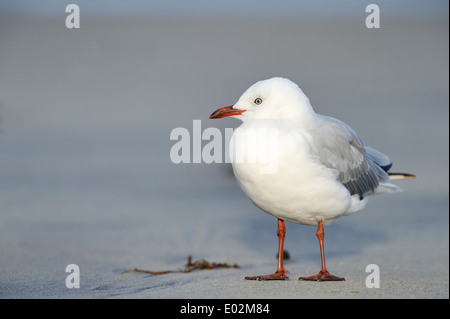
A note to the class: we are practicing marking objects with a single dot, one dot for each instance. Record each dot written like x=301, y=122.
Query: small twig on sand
x=148, y=271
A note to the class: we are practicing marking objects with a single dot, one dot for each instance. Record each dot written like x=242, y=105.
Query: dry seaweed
x=201, y=264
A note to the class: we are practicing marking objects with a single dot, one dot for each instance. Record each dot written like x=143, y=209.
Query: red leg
x=323, y=275
x=280, y=274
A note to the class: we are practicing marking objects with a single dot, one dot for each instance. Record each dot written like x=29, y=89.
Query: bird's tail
x=386, y=187
x=385, y=164
x=397, y=176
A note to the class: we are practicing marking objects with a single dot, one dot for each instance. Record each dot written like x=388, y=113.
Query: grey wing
x=337, y=146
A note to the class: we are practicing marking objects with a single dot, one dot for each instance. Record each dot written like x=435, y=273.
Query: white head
x=275, y=98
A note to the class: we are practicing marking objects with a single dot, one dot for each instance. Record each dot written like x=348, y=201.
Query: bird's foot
x=322, y=276
x=276, y=276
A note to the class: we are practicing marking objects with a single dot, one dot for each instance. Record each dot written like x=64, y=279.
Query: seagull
x=319, y=168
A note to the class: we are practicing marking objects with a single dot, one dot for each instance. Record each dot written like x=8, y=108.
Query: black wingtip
x=386, y=167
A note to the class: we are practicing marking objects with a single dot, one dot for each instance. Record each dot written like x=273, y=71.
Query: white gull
x=322, y=169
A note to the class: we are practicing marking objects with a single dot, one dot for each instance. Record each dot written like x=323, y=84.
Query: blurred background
x=86, y=115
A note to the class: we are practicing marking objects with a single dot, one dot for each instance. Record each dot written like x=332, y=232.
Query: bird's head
x=275, y=98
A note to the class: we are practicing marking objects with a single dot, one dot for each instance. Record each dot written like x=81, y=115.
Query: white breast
x=275, y=169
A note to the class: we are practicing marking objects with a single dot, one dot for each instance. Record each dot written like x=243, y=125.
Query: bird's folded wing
x=337, y=146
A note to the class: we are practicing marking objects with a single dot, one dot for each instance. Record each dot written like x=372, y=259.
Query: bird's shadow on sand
x=341, y=238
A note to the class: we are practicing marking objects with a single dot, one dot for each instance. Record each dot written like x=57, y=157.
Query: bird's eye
x=257, y=101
